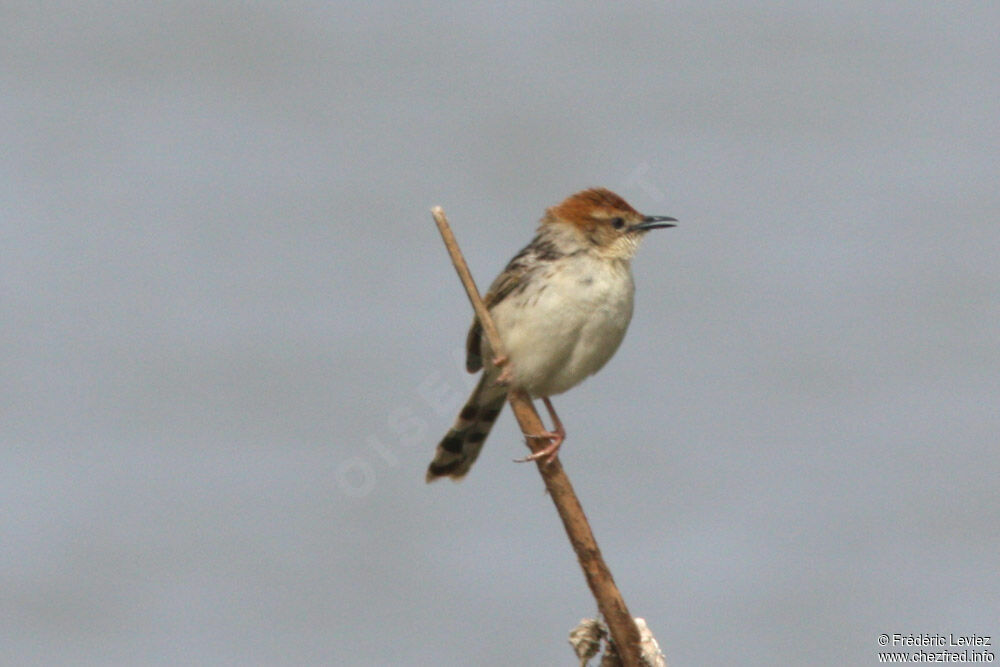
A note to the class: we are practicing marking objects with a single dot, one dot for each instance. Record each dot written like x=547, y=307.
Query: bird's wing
x=506, y=283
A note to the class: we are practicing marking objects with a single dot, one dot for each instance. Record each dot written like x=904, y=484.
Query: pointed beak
x=654, y=222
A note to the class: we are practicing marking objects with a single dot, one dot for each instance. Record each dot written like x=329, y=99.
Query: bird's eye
x=617, y=223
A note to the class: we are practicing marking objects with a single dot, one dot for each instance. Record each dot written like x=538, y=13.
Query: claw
x=506, y=374
x=547, y=454
x=505, y=377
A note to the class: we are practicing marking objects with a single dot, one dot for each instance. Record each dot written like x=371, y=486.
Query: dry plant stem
x=602, y=585
x=470, y=285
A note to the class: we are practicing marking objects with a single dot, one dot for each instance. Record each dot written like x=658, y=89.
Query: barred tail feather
x=458, y=450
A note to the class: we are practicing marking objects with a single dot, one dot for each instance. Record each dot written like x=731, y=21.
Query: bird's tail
x=458, y=450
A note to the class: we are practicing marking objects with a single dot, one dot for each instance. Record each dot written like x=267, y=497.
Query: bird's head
x=605, y=221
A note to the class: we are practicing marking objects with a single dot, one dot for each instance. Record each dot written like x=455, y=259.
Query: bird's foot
x=506, y=371
x=548, y=453
x=555, y=438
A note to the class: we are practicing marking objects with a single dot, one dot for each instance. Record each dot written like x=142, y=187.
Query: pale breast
x=567, y=323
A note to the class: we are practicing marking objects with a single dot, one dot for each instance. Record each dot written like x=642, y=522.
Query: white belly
x=558, y=335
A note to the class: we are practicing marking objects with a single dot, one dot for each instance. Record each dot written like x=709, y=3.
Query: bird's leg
x=560, y=431
x=506, y=375
x=555, y=438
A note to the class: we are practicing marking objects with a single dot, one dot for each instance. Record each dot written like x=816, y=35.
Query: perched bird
x=561, y=308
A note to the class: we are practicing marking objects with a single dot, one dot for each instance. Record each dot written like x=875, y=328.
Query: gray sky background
x=230, y=331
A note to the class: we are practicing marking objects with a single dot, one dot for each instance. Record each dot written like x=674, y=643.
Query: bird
x=561, y=307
